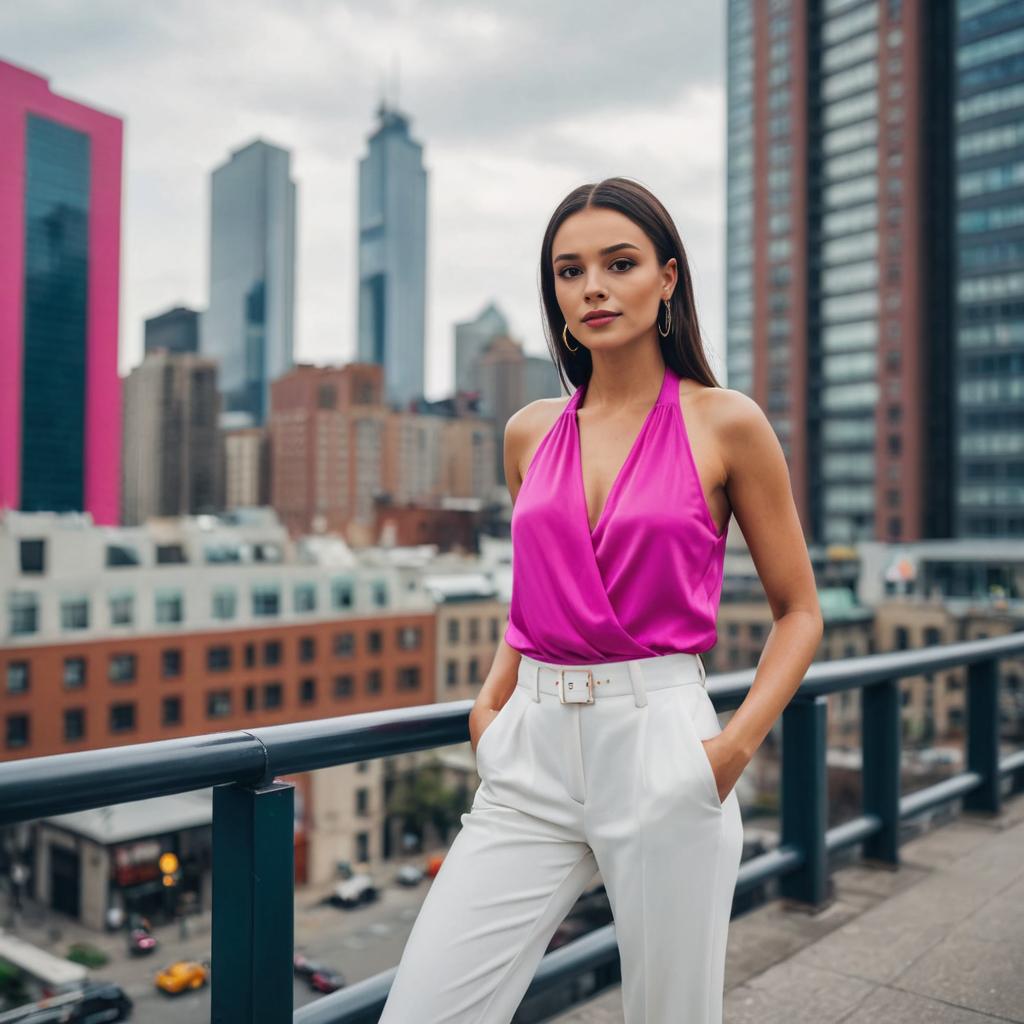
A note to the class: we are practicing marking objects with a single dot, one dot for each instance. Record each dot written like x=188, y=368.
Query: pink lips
x=600, y=321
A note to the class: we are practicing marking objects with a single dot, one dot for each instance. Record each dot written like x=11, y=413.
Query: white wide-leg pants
x=622, y=785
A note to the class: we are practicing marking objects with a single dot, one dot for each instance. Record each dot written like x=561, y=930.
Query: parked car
x=409, y=874
x=303, y=966
x=182, y=976
x=141, y=942
x=94, y=1002
x=326, y=979
x=102, y=1001
x=354, y=891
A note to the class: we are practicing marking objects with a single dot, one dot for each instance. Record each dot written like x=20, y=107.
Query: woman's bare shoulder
x=524, y=431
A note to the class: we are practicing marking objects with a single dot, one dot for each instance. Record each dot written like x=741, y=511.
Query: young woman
x=598, y=745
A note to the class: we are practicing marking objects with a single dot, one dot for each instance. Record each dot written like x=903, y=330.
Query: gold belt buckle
x=576, y=691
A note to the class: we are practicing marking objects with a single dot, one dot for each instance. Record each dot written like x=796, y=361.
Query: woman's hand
x=727, y=762
x=480, y=717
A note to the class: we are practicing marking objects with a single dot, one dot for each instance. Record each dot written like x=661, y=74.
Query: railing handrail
x=37, y=787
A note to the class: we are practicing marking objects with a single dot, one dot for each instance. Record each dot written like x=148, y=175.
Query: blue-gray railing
x=253, y=852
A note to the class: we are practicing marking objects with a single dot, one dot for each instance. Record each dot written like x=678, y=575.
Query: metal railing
x=253, y=849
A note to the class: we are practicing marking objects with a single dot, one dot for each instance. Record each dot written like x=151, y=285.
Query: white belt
x=582, y=684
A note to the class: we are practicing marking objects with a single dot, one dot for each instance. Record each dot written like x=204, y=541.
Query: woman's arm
x=504, y=671
x=761, y=496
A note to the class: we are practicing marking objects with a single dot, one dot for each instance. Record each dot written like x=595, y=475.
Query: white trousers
x=622, y=785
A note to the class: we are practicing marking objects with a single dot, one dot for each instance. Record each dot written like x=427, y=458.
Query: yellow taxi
x=182, y=976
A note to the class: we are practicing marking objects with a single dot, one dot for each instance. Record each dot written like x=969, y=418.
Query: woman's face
x=626, y=279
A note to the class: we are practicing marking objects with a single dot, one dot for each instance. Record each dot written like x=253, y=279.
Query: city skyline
x=503, y=140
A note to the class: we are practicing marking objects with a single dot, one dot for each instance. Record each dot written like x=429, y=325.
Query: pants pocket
x=702, y=723
x=484, y=741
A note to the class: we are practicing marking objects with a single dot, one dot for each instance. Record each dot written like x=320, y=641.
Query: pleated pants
x=622, y=785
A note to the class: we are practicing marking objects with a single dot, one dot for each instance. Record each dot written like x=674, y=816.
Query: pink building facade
x=60, y=232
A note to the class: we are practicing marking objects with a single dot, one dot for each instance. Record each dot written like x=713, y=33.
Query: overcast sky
x=514, y=103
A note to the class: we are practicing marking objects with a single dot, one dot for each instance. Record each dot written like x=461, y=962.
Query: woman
x=598, y=745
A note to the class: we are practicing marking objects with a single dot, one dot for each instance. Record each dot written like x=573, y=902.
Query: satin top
x=647, y=580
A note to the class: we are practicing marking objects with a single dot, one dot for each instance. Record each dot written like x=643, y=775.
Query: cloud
x=515, y=104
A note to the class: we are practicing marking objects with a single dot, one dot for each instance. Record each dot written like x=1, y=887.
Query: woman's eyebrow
x=603, y=252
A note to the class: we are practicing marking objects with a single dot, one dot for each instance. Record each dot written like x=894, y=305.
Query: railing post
x=805, y=798
x=253, y=904
x=881, y=742
x=983, y=736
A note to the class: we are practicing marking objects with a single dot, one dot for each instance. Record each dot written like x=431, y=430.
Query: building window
x=122, y=717
x=23, y=614
x=218, y=704
x=272, y=652
x=170, y=663
x=362, y=802
x=307, y=691
x=344, y=645
x=379, y=593
x=218, y=659
x=170, y=554
x=343, y=686
x=474, y=670
x=17, y=731
x=170, y=713
x=122, y=669
x=122, y=608
x=273, y=696
x=74, y=673
x=451, y=672
x=902, y=638
x=170, y=607
x=32, y=556
x=250, y=698
x=409, y=637
x=474, y=630
x=74, y=724
x=17, y=677
x=408, y=678
x=495, y=627
x=374, y=681
x=74, y=613
x=307, y=648
x=374, y=641
x=304, y=597
x=342, y=593
x=453, y=631
x=120, y=555
x=266, y=600
x=224, y=603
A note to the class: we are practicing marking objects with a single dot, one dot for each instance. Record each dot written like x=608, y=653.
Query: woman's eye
x=622, y=259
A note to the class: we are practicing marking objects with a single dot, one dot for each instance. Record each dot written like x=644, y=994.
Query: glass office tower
x=249, y=324
x=393, y=257
x=60, y=208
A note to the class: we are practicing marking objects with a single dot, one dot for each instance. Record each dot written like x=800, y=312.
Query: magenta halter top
x=647, y=581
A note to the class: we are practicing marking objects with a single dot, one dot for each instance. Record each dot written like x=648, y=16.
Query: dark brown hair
x=683, y=349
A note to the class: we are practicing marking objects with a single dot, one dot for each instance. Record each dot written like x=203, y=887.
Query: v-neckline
x=612, y=491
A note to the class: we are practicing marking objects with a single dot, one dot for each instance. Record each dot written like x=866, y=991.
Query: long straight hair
x=683, y=349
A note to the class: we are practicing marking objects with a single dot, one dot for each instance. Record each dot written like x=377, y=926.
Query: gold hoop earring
x=668, y=320
x=565, y=341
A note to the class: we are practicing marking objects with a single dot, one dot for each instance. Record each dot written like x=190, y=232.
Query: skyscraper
x=840, y=257
x=60, y=232
x=177, y=330
x=989, y=119
x=248, y=327
x=393, y=256
x=172, y=445
x=471, y=339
